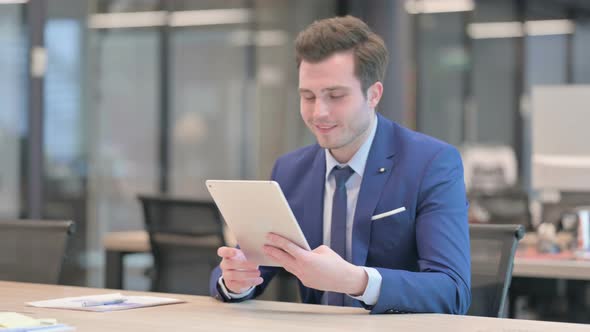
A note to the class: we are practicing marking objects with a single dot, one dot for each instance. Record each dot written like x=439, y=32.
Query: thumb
x=228, y=252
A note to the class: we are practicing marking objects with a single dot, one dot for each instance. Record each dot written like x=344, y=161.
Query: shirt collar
x=359, y=160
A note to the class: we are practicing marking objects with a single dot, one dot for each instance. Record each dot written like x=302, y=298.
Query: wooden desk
x=117, y=245
x=206, y=314
x=528, y=263
x=551, y=268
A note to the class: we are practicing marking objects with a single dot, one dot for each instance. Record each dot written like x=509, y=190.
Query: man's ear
x=374, y=94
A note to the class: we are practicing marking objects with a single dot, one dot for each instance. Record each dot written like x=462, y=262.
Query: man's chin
x=328, y=141
x=328, y=145
x=324, y=144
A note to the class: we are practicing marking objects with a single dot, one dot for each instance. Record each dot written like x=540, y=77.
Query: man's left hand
x=321, y=268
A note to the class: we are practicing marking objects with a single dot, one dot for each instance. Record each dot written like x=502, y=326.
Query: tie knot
x=342, y=174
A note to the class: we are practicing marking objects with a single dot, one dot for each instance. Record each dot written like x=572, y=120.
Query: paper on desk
x=13, y=319
x=131, y=302
x=15, y=322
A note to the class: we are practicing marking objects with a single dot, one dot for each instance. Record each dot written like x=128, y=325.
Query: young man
x=383, y=206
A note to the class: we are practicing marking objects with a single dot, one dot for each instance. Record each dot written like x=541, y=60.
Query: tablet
x=252, y=209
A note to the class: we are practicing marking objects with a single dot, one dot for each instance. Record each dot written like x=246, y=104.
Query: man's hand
x=238, y=274
x=321, y=268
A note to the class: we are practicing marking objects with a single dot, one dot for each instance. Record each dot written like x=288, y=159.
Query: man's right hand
x=238, y=274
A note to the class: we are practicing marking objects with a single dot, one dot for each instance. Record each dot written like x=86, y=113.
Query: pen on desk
x=93, y=303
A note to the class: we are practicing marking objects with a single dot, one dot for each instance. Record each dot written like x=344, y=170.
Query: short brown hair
x=325, y=37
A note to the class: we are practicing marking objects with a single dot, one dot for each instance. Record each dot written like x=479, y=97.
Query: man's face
x=333, y=105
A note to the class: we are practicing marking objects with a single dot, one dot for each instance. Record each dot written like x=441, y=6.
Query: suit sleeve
x=442, y=284
x=267, y=273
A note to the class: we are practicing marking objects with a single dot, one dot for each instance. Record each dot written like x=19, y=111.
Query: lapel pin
x=381, y=170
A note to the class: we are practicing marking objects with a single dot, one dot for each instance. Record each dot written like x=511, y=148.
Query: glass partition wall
x=184, y=91
x=142, y=97
x=476, y=61
x=13, y=107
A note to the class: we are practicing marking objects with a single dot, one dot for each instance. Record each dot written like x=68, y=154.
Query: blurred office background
x=101, y=100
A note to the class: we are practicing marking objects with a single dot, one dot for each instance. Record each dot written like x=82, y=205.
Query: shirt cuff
x=371, y=294
x=235, y=296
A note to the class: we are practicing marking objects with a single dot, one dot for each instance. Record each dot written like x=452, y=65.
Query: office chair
x=33, y=250
x=184, y=236
x=507, y=206
x=492, y=257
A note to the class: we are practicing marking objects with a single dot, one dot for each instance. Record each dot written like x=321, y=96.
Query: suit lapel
x=380, y=158
x=313, y=220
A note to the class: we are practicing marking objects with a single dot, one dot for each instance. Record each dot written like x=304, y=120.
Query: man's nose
x=320, y=108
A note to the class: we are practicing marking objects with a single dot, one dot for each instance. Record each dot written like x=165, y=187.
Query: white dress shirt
x=353, y=185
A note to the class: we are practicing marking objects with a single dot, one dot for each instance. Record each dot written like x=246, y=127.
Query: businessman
x=383, y=207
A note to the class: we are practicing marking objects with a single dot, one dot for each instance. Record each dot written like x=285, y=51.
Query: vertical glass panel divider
x=33, y=195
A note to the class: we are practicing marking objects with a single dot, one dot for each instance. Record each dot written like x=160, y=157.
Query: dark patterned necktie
x=338, y=228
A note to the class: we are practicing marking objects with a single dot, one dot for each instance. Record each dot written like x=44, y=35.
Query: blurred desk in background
x=530, y=263
x=117, y=245
x=539, y=267
x=549, y=286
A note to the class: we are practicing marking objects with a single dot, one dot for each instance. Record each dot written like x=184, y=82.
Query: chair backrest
x=492, y=257
x=489, y=168
x=184, y=237
x=33, y=250
x=510, y=206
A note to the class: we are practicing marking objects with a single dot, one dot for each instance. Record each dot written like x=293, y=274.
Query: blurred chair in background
x=509, y=206
x=492, y=257
x=489, y=168
x=491, y=174
x=33, y=250
x=184, y=236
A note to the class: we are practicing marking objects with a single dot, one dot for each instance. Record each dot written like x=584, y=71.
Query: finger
x=235, y=259
x=283, y=258
x=237, y=264
x=285, y=244
x=240, y=275
x=227, y=252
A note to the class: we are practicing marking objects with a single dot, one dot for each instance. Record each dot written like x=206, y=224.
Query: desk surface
x=138, y=241
x=130, y=241
x=202, y=313
x=551, y=268
x=530, y=264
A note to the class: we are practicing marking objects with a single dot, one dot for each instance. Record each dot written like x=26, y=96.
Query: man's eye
x=308, y=98
x=336, y=96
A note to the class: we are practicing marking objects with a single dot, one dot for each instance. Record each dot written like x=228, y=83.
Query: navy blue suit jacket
x=422, y=253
